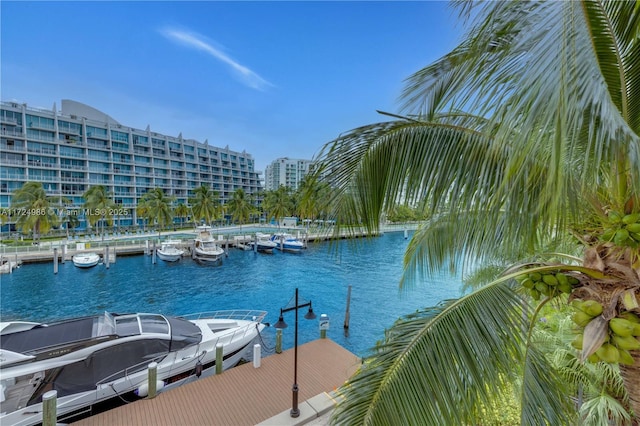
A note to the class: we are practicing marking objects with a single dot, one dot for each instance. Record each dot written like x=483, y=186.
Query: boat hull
x=85, y=261
x=170, y=255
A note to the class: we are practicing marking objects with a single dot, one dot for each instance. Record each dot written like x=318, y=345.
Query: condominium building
x=79, y=146
x=287, y=172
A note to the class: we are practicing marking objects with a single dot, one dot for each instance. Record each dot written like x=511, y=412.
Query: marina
x=352, y=282
x=324, y=272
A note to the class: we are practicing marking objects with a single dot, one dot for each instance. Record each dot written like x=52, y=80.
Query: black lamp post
x=295, y=412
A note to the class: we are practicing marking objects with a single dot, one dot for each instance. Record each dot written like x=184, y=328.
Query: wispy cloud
x=198, y=42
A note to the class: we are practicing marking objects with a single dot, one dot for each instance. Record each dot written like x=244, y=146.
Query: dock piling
x=55, y=261
x=106, y=256
x=279, y=341
x=219, y=359
x=154, y=253
x=152, y=379
x=49, y=408
x=64, y=253
x=257, y=357
x=346, y=314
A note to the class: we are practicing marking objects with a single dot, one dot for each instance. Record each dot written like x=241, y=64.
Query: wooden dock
x=243, y=395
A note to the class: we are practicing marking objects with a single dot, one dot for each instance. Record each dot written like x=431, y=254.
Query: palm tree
x=313, y=197
x=99, y=206
x=33, y=209
x=156, y=207
x=205, y=204
x=181, y=211
x=240, y=206
x=528, y=131
x=69, y=216
x=278, y=203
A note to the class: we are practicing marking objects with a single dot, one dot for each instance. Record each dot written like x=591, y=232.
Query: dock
x=246, y=395
x=137, y=245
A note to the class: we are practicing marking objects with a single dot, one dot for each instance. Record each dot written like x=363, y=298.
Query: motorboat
x=206, y=249
x=86, y=260
x=7, y=266
x=264, y=244
x=93, y=359
x=287, y=242
x=170, y=251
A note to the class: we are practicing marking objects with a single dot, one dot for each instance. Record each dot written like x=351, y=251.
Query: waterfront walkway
x=246, y=395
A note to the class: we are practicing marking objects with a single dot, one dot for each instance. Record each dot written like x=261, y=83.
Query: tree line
x=34, y=212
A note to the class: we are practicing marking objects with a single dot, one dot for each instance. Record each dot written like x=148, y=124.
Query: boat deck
x=243, y=395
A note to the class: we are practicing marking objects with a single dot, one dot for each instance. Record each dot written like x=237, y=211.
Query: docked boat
x=287, y=242
x=7, y=266
x=86, y=260
x=93, y=359
x=264, y=244
x=170, y=251
x=206, y=249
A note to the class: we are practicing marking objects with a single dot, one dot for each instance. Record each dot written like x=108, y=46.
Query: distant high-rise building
x=79, y=147
x=287, y=172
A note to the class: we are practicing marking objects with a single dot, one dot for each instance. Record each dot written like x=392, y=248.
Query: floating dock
x=246, y=395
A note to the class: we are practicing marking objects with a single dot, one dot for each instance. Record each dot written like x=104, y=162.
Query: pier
x=137, y=244
x=245, y=395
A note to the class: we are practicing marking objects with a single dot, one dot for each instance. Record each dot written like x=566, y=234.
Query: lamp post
x=295, y=412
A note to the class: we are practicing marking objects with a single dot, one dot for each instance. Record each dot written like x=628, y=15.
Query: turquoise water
x=245, y=280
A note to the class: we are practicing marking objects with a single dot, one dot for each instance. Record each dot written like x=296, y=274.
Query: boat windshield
x=130, y=325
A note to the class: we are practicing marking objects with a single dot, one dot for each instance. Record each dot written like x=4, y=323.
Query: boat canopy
x=73, y=333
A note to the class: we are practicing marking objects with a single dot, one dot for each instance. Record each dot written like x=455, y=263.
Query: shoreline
x=139, y=244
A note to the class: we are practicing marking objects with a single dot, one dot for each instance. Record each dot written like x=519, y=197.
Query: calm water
x=246, y=280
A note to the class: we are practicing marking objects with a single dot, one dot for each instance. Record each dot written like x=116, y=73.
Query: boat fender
x=143, y=390
x=198, y=369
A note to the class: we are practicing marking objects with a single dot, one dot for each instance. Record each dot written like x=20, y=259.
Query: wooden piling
x=279, y=341
x=49, y=408
x=106, y=256
x=152, y=379
x=219, y=358
x=346, y=314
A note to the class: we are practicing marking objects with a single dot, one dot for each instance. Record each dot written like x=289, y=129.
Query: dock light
x=295, y=411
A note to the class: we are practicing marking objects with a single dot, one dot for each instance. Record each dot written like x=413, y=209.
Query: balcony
x=42, y=138
x=49, y=151
x=8, y=120
x=16, y=133
x=12, y=148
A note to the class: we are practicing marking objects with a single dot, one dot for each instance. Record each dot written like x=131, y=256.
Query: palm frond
x=438, y=366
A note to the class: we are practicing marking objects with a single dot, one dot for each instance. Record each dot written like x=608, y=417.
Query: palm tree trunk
x=631, y=377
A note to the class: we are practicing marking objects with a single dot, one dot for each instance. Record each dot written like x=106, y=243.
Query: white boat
x=86, y=260
x=206, y=249
x=169, y=251
x=7, y=266
x=264, y=244
x=93, y=359
x=287, y=242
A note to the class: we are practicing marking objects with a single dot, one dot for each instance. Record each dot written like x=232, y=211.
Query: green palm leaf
x=440, y=365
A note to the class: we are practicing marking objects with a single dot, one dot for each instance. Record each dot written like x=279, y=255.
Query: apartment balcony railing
x=50, y=151
x=37, y=163
x=16, y=133
x=12, y=148
x=72, y=166
x=12, y=162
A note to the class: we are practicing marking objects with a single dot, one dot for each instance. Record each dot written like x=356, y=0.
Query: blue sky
x=274, y=79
